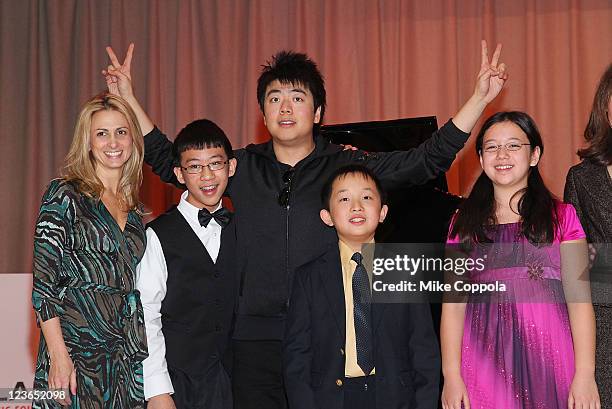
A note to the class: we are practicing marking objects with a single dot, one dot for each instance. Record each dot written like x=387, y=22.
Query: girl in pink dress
x=525, y=347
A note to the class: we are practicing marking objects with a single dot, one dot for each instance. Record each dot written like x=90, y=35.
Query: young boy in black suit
x=187, y=279
x=340, y=349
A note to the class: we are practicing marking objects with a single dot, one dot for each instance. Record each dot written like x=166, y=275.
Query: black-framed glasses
x=283, y=196
x=510, y=147
x=197, y=169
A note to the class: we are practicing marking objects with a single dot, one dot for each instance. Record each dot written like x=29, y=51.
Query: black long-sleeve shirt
x=274, y=240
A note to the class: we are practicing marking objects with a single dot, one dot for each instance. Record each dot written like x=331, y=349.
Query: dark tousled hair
x=201, y=134
x=354, y=170
x=289, y=67
x=537, y=205
x=598, y=132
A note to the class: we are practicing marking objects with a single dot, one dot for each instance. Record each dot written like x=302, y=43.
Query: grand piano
x=419, y=214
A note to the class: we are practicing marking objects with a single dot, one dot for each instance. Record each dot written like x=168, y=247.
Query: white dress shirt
x=151, y=276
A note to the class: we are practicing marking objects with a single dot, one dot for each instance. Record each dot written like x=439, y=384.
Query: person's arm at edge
x=451, y=335
x=570, y=195
x=452, y=326
x=51, y=233
x=582, y=323
x=574, y=261
x=151, y=276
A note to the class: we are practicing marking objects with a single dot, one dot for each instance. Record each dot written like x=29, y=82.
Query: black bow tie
x=221, y=216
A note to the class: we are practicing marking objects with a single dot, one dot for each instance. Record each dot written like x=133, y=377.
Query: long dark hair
x=537, y=205
x=598, y=132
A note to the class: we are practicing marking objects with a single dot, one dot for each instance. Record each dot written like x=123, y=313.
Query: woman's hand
x=62, y=376
x=454, y=393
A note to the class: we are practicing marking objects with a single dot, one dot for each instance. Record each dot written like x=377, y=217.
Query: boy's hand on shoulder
x=348, y=147
x=163, y=401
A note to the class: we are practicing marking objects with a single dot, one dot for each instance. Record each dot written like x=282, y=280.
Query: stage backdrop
x=382, y=59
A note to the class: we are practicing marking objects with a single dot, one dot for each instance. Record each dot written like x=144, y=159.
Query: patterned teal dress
x=84, y=273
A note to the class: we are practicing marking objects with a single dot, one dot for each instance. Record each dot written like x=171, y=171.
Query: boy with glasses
x=187, y=279
x=276, y=189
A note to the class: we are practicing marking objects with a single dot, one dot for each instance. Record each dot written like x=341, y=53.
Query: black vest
x=198, y=309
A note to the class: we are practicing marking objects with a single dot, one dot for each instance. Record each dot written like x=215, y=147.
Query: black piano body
x=418, y=214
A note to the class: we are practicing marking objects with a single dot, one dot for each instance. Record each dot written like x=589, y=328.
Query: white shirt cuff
x=157, y=384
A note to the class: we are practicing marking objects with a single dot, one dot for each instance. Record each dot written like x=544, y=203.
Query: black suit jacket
x=406, y=351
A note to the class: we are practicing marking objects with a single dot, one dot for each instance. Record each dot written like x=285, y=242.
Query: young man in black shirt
x=275, y=192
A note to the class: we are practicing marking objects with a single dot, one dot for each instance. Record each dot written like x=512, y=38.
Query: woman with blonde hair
x=89, y=238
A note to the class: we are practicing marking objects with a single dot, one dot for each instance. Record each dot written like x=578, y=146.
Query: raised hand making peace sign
x=118, y=76
x=492, y=75
x=491, y=79
x=119, y=82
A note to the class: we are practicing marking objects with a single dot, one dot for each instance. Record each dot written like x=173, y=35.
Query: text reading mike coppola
x=506, y=272
x=407, y=265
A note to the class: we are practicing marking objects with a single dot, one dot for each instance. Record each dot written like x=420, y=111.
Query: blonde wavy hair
x=80, y=165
